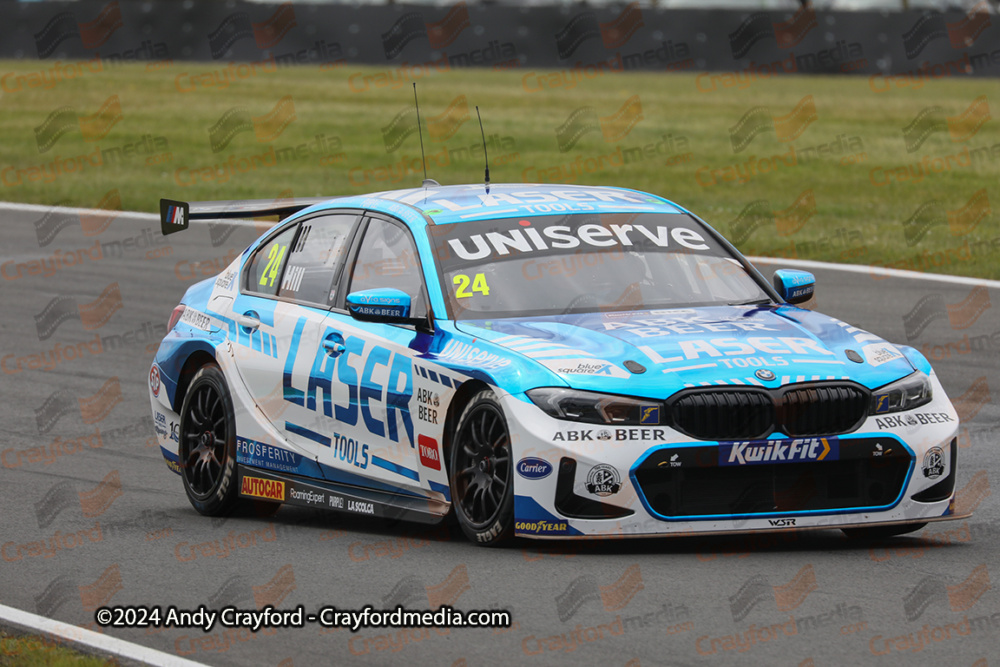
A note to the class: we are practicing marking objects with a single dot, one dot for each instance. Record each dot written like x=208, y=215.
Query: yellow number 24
x=478, y=285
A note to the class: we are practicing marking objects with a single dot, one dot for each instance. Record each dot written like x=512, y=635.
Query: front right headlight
x=911, y=392
x=594, y=408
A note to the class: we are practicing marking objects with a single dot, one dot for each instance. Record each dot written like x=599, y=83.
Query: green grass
x=34, y=651
x=854, y=220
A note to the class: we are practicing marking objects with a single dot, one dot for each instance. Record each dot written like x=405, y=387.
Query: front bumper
x=653, y=481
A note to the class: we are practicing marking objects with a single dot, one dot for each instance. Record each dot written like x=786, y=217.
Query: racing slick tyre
x=879, y=532
x=482, y=472
x=208, y=443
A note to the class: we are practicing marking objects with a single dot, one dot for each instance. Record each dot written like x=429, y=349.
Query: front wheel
x=208, y=443
x=881, y=532
x=482, y=480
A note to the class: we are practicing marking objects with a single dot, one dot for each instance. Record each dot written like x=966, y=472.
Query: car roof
x=451, y=204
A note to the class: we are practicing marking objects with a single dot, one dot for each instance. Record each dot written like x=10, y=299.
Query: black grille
x=724, y=414
x=694, y=484
x=755, y=412
x=822, y=410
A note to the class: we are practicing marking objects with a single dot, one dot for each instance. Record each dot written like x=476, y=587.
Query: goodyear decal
x=172, y=461
x=757, y=452
x=532, y=519
x=542, y=527
x=268, y=489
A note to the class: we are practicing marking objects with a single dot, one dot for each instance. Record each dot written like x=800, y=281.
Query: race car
x=545, y=361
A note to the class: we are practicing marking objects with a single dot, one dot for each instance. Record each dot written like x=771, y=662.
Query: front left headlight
x=594, y=408
x=911, y=392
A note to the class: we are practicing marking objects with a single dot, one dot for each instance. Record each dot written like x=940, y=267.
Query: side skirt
x=258, y=484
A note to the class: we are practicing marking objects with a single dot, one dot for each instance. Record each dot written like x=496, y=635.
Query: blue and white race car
x=549, y=361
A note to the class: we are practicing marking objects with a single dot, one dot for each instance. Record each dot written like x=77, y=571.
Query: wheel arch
x=194, y=362
x=462, y=397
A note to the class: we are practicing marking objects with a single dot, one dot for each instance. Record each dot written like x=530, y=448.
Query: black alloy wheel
x=482, y=480
x=208, y=443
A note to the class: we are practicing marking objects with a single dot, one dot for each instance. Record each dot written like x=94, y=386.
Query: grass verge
x=35, y=651
x=825, y=168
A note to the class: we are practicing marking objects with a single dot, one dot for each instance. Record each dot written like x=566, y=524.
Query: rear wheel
x=482, y=484
x=880, y=532
x=208, y=443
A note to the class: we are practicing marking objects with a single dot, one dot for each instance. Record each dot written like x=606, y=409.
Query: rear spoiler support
x=176, y=216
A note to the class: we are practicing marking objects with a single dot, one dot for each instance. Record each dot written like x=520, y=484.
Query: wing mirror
x=385, y=304
x=794, y=286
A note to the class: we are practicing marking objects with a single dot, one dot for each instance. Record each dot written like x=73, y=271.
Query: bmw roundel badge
x=764, y=374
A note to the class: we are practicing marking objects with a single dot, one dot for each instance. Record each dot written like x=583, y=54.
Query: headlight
x=910, y=392
x=594, y=408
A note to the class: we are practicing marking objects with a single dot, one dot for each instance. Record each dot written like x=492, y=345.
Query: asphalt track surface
x=125, y=530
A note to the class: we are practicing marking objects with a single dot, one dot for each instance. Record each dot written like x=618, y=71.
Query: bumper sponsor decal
x=751, y=452
x=532, y=468
x=262, y=455
x=603, y=480
x=262, y=488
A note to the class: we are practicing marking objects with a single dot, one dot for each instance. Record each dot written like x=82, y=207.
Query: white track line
x=103, y=643
x=877, y=271
x=797, y=263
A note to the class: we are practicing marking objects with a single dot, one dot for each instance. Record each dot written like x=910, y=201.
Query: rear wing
x=176, y=216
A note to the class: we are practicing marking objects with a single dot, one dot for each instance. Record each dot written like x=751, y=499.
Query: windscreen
x=582, y=263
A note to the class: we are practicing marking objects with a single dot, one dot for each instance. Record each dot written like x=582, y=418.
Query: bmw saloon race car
x=548, y=362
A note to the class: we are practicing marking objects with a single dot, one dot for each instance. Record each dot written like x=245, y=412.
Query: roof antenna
x=423, y=160
x=485, y=154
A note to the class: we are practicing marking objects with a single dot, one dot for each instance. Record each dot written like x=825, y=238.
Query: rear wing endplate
x=176, y=216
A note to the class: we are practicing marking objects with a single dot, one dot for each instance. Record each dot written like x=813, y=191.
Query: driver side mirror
x=794, y=286
x=385, y=304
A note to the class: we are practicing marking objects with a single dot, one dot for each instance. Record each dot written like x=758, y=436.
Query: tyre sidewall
x=502, y=527
x=226, y=492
